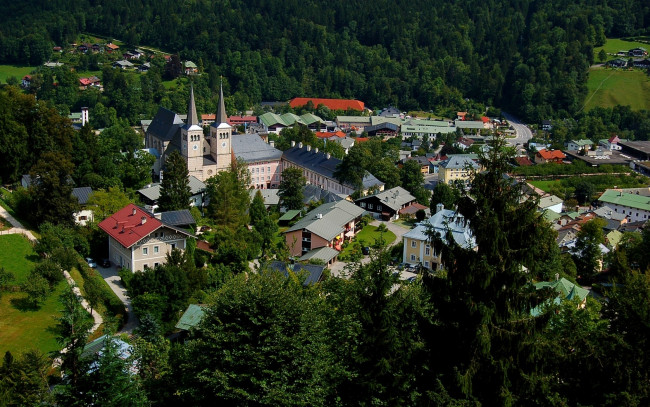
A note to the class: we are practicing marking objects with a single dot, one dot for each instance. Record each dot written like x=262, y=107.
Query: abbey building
x=204, y=156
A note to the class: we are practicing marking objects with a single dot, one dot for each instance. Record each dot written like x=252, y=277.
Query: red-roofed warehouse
x=332, y=104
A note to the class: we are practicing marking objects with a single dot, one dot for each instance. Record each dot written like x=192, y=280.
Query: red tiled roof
x=485, y=119
x=241, y=119
x=523, y=161
x=333, y=104
x=203, y=245
x=361, y=139
x=551, y=155
x=126, y=225
x=327, y=134
x=211, y=116
x=112, y=46
x=84, y=81
x=27, y=78
x=614, y=139
x=465, y=141
x=412, y=208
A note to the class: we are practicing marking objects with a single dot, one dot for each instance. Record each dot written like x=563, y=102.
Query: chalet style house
x=137, y=239
x=387, y=205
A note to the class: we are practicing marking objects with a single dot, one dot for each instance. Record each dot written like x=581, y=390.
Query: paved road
x=338, y=269
x=523, y=132
x=111, y=276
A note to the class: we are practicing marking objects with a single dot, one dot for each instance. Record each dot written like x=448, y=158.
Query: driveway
x=110, y=275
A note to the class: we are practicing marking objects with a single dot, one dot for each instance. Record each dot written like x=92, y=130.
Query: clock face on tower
x=195, y=147
x=223, y=144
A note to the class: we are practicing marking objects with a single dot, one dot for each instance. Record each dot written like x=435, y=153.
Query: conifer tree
x=175, y=189
x=483, y=297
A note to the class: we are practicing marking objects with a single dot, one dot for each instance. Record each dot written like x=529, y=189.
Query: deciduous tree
x=290, y=190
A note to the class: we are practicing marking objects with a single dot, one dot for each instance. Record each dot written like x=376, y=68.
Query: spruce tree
x=290, y=190
x=175, y=189
x=482, y=344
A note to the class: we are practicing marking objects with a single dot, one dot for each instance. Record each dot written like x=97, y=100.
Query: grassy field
x=610, y=87
x=544, y=185
x=613, y=45
x=14, y=70
x=21, y=328
x=17, y=256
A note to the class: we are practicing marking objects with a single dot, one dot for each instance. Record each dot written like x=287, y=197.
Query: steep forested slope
x=529, y=55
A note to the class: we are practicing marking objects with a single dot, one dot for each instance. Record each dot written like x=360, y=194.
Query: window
x=414, y=243
x=145, y=251
x=155, y=249
x=378, y=207
x=426, y=264
x=145, y=266
x=370, y=206
x=268, y=169
x=173, y=245
x=262, y=170
x=412, y=257
x=155, y=264
x=427, y=250
x=363, y=204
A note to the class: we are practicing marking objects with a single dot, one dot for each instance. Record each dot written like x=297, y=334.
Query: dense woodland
x=529, y=56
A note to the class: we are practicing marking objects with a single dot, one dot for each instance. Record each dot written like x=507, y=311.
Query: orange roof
x=84, y=81
x=333, y=104
x=485, y=119
x=112, y=46
x=327, y=134
x=462, y=114
x=551, y=155
x=361, y=139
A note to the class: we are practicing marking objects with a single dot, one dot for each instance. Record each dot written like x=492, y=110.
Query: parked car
x=91, y=262
x=106, y=263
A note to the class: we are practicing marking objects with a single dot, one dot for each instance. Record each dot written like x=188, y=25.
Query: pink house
x=263, y=160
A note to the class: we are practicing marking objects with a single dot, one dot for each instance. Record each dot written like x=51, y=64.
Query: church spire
x=221, y=110
x=192, y=117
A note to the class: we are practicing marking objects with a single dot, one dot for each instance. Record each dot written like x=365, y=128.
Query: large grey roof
x=393, y=198
x=82, y=194
x=335, y=216
x=313, y=272
x=320, y=164
x=441, y=222
x=270, y=196
x=165, y=124
x=177, y=218
x=251, y=148
x=458, y=162
x=324, y=254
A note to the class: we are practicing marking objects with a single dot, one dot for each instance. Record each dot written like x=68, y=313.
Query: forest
x=530, y=57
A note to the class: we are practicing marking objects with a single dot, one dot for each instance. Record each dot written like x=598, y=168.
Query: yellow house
x=456, y=168
x=417, y=246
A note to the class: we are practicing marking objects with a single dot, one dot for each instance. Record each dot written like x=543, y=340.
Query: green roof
x=269, y=119
x=290, y=119
x=191, y=317
x=353, y=119
x=565, y=289
x=614, y=237
x=310, y=118
x=550, y=215
x=289, y=215
x=426, y=129
x=190, y=64
x=626, y=199
x=434, y=123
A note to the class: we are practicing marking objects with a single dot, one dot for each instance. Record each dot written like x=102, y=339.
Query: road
x=523, y=132
x=111, y=276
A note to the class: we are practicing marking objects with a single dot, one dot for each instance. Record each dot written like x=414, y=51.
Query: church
x=204, y=156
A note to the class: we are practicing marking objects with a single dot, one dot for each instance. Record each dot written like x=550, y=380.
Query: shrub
x=49, y=270
x=126, y=276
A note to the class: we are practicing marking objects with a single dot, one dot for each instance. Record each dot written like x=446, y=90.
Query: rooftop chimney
x=293, y=143
x=134, y=211
x=316, y=150
x=319, y=216
x=440, y=207
x=143, y=220
x=308, y=147
x=272, y=143
x=328, y=156
x=300, y=145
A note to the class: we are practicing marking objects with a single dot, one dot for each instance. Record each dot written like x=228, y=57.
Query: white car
x=91, y=262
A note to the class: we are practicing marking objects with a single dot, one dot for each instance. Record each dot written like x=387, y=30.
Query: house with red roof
x=137, y=239
x=26, y=82
x=332, y=104
x=544, y=156
x=327, y=134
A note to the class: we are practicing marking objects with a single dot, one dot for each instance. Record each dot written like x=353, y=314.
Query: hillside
x=529, y=56
x=611, y=87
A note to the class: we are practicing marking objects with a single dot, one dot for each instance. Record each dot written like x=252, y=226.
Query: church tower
x=192, y=140
x=220, y=136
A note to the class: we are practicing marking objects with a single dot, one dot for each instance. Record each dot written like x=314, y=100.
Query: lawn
x=368, y=236
x=544, y=185
x=610, y=87
x=17, y=256
x=14, y=70
x=613, y=45
x=20, y=328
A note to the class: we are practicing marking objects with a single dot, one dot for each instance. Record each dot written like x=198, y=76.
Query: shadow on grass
x=24, y=304
x=34, y=258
